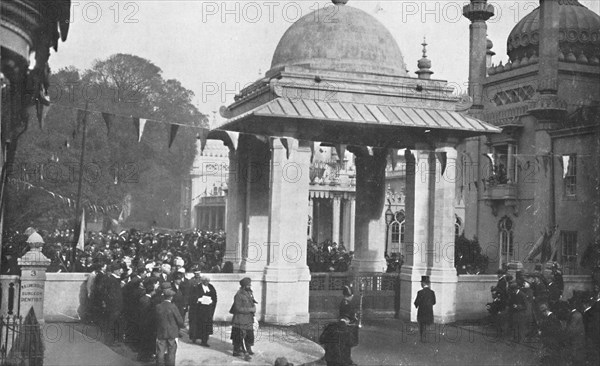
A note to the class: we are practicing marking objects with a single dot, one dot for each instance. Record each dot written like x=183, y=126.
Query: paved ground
x=382, y=343
x=392, y=342
x=73, y=344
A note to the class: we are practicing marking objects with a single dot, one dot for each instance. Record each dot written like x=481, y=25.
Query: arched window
x=397, y=233
x=458, y=226
x=505, y=227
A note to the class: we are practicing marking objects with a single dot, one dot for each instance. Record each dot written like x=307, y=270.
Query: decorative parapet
x=507, y=117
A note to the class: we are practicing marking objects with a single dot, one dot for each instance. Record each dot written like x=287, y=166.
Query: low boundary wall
x=65, y=294
x=473, y=293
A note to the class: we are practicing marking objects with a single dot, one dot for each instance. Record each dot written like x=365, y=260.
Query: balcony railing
x=506, y=191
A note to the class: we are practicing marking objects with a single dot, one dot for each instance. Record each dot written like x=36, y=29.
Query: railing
x=335, y=281
x=10, y=290
x=380, y=293
x=21, y=340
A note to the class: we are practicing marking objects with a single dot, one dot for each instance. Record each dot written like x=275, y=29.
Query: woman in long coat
x=243, y=309
x=203, y=301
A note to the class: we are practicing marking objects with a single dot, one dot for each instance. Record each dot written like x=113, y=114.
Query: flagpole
x=79, y=190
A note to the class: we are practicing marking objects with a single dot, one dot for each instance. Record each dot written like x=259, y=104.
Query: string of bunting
x=66, y=200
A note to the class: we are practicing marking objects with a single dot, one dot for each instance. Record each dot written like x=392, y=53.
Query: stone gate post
x=33, y=278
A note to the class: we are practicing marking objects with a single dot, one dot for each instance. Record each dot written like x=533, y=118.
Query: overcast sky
x=216, y=47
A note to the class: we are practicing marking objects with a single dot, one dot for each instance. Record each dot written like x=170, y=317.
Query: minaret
x=478, y=12
x=548, y=109
x=424, y=64
x=546, y=106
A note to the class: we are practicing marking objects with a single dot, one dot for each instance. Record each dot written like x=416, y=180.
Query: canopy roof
x=354, y=123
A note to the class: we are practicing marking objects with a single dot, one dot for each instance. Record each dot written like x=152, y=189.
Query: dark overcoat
x=243, y=310
x=168, y=320
x=201, y=316
x=424, y=303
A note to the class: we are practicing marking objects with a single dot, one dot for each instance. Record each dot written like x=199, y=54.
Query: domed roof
x=340, y=38
x=579, y=31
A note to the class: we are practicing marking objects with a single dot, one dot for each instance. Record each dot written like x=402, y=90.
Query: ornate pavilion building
x=537, y=183
x=370, y=107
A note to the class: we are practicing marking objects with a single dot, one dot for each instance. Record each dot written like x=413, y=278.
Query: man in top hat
x=112, y=296
x=348, y=306
x=424, y=303
x=168, y=326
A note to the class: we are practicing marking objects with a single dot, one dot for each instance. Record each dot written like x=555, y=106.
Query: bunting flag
x=546, y=161
x=370, y=150
x=81, y=240
x=202, y=135
x=125, y=208
x=490, y=158
x=109, y=118
x=261, y=138
x=172, y=134
x=233, y=139
x=441, y=156
x=393, y=158
x=566, y=159
x=340, y=149
x=65, y=200
x=290, y=145
x=42, y=109
x=536, y=249
x=142, y=125
x=554, y=241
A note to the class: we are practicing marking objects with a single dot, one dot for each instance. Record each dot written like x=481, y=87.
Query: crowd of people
x=532, y=305
x=203, y=249
x=147, y=307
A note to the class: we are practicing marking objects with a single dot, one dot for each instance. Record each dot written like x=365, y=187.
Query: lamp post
x=389, y=217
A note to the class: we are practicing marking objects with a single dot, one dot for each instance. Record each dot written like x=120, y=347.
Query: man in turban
x=243, y=310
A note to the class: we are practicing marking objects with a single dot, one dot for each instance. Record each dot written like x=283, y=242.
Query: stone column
x=441, y=249
x=287, y=275
x=311, y=213
x=352, y=228
x=417, y=227
x=510, y=163
x=210, y=217
x=346, y=220
x=335, y=226
x=542, y=192
x=478, y=12
x=236, y=208
x=33, y=278
x=370, y=218
x=257, y=168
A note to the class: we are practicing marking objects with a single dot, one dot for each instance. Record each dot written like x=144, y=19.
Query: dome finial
x=339, y=2
x=424, y=63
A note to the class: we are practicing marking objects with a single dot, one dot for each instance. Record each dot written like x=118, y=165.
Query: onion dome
x=579, y=31
x=347, y=40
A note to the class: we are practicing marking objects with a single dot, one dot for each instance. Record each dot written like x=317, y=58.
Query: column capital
x=478, y=11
